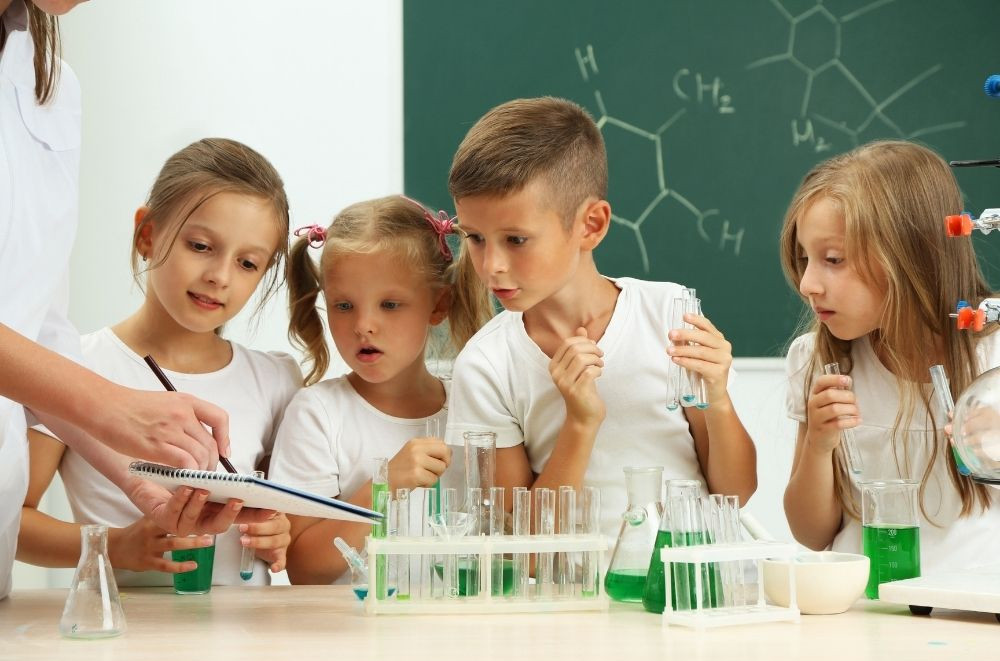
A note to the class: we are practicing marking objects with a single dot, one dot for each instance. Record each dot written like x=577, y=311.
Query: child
x=863, y=243
x=572, y=376
x=387, y=277
x=214, y=226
